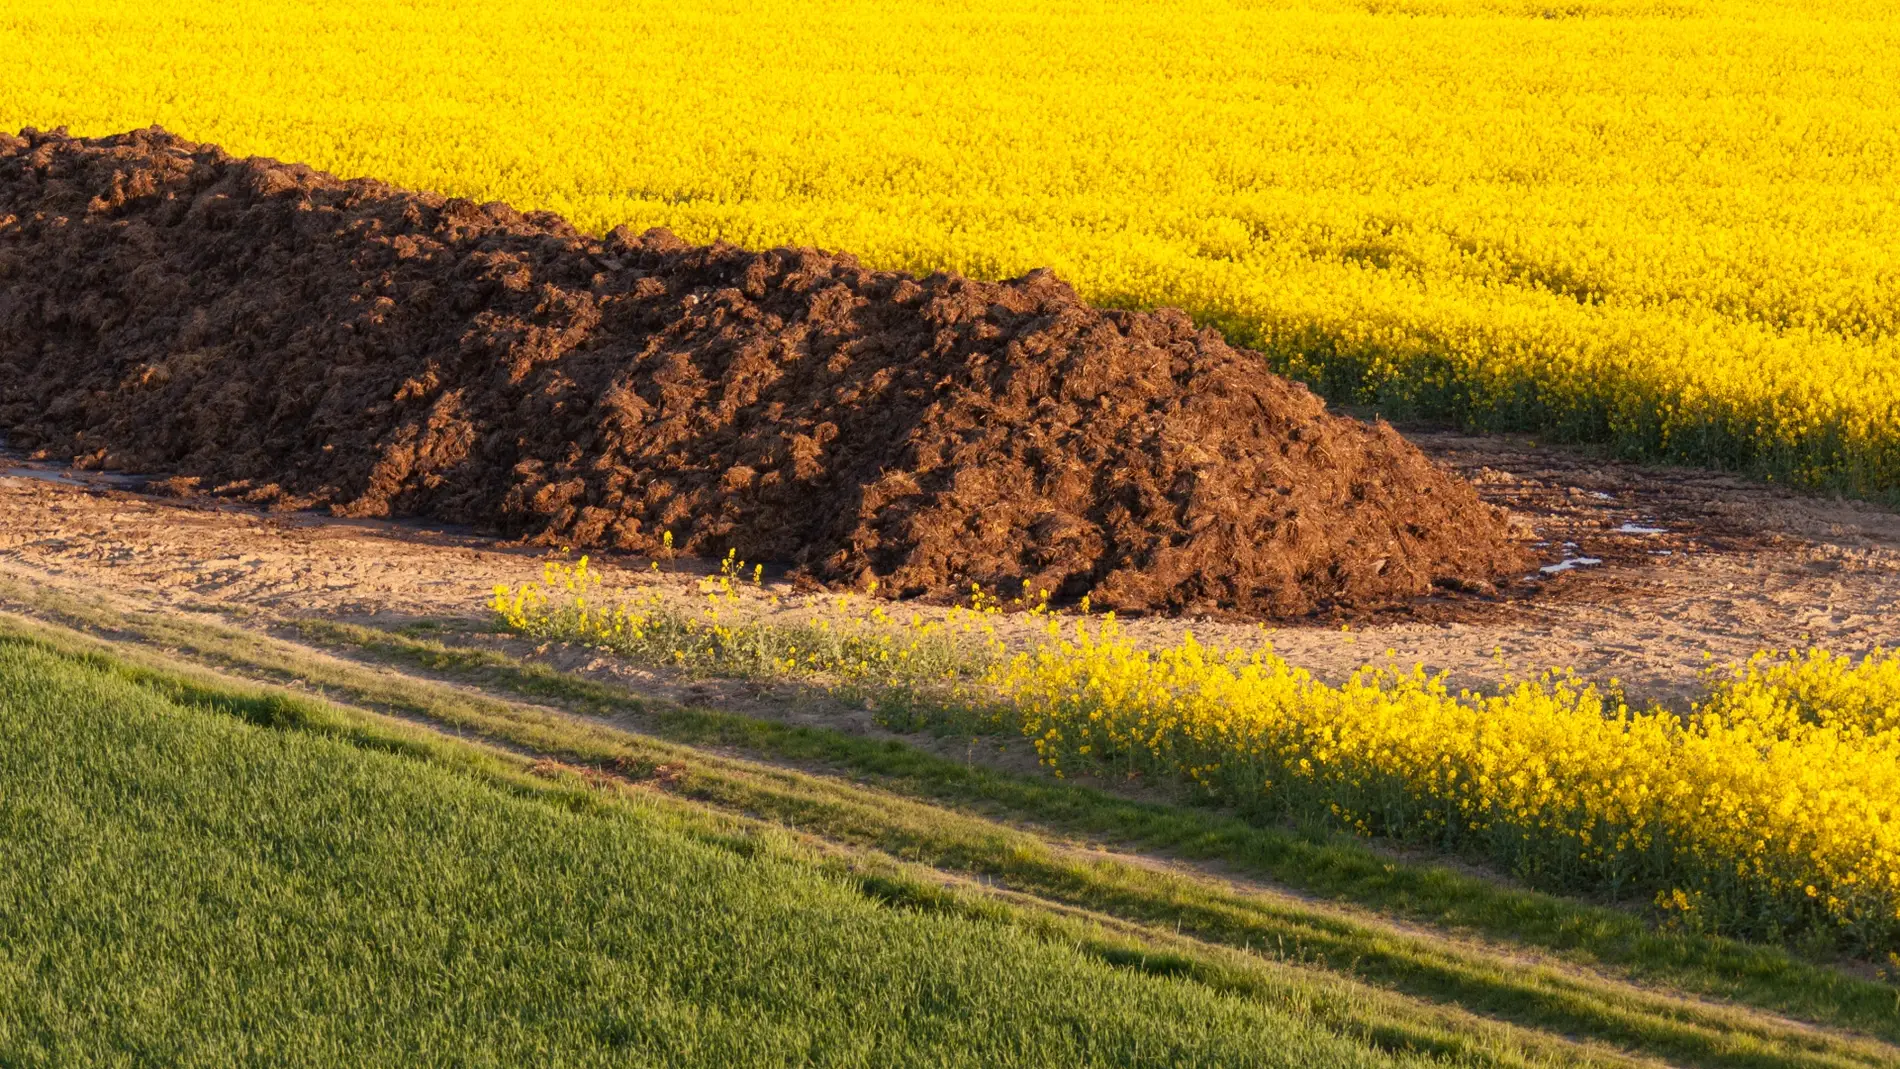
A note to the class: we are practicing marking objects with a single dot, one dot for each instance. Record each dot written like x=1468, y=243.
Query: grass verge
x=186, y=886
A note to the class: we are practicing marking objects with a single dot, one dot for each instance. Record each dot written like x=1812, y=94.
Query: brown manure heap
x=269, y=331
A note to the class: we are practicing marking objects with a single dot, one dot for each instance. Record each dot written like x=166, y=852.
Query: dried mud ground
x=1693, y=565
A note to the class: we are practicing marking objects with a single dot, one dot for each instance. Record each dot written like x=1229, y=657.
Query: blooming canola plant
x=1665, y=226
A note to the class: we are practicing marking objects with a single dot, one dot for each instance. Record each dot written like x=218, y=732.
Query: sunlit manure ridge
x=1770, y=810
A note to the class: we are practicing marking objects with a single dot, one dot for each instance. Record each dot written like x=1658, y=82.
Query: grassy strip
x=1377, y=1018
x=1315, y=862
x=282, y=898
x=1428, y=967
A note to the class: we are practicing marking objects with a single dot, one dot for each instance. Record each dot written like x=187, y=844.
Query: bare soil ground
x=1693, y=566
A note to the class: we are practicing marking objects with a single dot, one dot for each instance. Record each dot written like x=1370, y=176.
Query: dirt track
x=1739, y=567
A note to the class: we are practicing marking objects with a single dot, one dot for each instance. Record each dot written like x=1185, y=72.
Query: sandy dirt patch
x=1692, y=564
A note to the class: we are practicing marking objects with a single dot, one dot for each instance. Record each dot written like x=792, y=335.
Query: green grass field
x=456, y=856
x=181, y=886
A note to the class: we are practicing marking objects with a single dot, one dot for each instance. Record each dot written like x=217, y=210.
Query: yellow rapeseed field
x=1671, y=225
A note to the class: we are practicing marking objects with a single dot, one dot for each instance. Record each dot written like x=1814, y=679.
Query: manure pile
x=269, y=331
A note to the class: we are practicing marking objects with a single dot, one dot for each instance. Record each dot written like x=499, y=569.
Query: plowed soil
x=268, y=331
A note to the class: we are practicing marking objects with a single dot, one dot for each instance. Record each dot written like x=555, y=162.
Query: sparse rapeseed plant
x=863, y=656
x=1771, y=809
